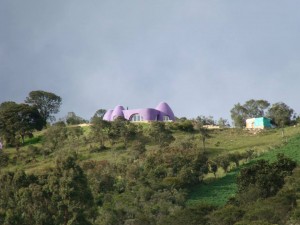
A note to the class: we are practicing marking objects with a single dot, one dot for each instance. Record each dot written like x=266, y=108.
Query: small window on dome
x=166, y=118
x=136, y=118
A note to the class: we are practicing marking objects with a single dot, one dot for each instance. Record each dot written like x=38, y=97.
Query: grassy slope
x=219, y=191
x=221, y=142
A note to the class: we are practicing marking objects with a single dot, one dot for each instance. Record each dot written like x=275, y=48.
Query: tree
x=123, y=130
x=73, y=119
x=99, y=113
x=71, y=196
x=256, y=108
x=160, y=134
x=55, y=137
x=280, y=114
x=238, y=115
x=223, y=123
x=267, y=178
x=204, y=132
x=251, y=109
x=47, y=103
x=100, y=130
x=206, y=120
x=19, y=119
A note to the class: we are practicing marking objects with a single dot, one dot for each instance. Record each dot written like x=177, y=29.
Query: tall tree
x=238, y=115
x=100, y=130
x=47, y=103
x=280, y=114
x=256, y=108
x=160, y=134
x=203, y=131
x=251, y=109
x=99, y=113
x=19, y=119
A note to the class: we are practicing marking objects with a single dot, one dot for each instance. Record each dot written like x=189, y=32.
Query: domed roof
x=107, y=115
x=118, y=112
x=165, y=108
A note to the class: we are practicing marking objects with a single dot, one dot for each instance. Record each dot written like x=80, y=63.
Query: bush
x=4, y=159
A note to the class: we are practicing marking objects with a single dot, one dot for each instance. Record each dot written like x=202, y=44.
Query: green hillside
x=217, y=192
x=150, y=172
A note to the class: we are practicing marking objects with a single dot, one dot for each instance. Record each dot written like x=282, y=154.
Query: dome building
x=162, y=112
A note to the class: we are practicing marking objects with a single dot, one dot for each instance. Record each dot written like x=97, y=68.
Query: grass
x=267, y=144
x=217, y=192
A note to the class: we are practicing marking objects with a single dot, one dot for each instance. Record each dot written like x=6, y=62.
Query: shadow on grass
x=216, y=192
x=33, y=140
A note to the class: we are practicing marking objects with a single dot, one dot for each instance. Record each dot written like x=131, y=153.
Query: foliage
x=99, y=113
x=203, y=120
x=223, y=123
x=267, y=178
x=100, y=131
x=47, y=103
x=73, y=119
x=183, y=125
x=160, y=134
x=204, y=132
x=61, y=197
x=55, y=138
x=280, y=114
x=19, y=119
x=251, y=109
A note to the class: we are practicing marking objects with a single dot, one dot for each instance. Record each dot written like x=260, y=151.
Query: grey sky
x=201, y=57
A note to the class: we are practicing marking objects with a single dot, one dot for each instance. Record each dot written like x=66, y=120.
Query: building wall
x=160, y=113
x=258, y=123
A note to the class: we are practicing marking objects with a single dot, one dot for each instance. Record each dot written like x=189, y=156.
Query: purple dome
x=118, y=112
x=107, y=115
x=166, y=110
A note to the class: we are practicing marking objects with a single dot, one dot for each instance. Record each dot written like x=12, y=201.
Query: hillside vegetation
x=125, y=173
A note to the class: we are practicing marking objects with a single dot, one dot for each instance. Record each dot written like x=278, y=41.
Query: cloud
x=201, y=57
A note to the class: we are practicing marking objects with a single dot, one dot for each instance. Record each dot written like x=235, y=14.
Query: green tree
x=206, y=120
x=251, y=109
x=238, y=115
x=223, y=123
x=100, y=131
x=203, y=131
x=227, y=215
x=73, y=119
x=266, y=177
x=19, y=119
x=99, y=113
x=280, y=114
x=47, y=103
x=160, y=134
x=256, y=108
x=72, y=198
x=55, y=137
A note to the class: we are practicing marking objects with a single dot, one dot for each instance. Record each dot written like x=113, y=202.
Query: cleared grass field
x=217, y=192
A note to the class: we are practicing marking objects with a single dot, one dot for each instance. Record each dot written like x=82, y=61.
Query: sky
x=201, y=57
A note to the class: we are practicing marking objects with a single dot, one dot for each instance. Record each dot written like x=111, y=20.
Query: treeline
x=280, y=113
x=151, y=189
x=20, y=120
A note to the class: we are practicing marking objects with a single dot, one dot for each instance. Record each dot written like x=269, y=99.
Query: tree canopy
x=19, y=119
x=280, y=114
x=251, y=109
x=47, y=103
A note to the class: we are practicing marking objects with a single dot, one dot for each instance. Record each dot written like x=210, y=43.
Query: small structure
x=162, y=112
x=258, y=123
